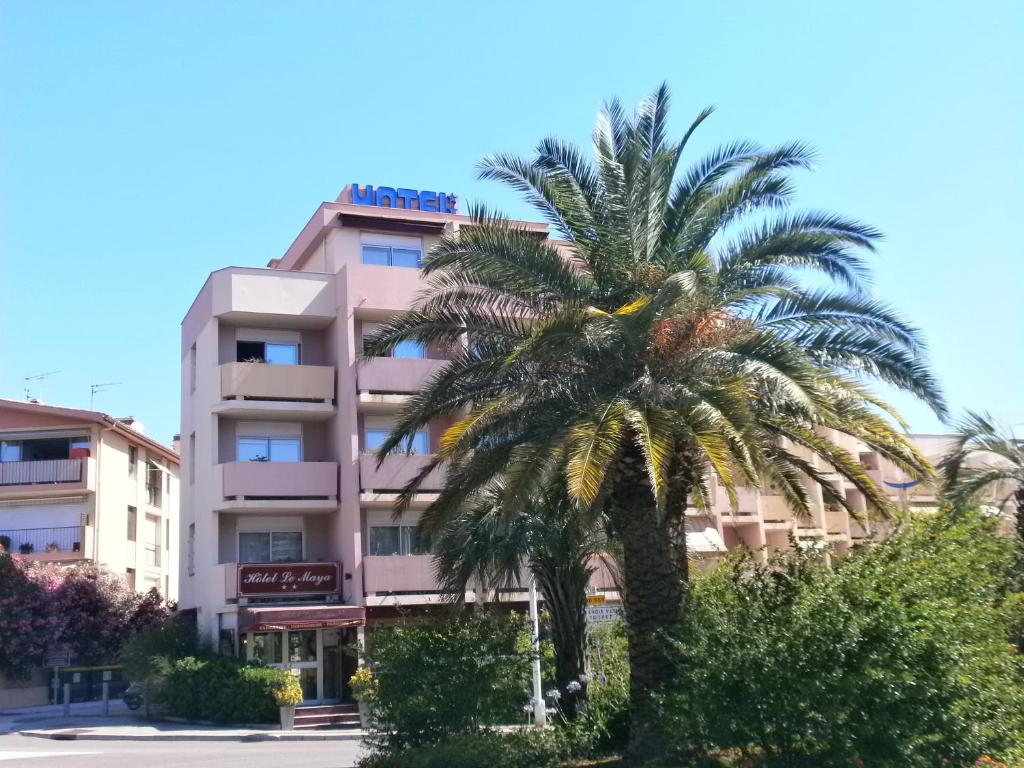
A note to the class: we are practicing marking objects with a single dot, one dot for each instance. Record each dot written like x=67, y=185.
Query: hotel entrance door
x=317, y=657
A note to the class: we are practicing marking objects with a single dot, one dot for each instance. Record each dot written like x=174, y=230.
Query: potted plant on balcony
x=26, y=548
x=288, y=695
x=5, y=543
x=52, y=547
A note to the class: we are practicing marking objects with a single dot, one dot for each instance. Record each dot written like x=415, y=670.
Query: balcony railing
x=397, y=470
x=396, y=374
x=262, y=381
x=36, y=541
x=44, y=471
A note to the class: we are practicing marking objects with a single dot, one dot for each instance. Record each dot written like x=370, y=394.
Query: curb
x=248, y=737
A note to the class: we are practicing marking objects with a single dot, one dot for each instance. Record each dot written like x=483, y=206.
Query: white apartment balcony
x=261, y=390
x=47, y=477
x=776, y=513
x=748, y=507
x=415, y=573
x=276, y=486
x=241, y=295
x=395, y=471
x=396, y=375
x=69, y=542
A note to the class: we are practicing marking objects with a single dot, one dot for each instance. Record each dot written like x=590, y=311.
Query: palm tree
x=679, y=327
x=986, y=459
x=553, y=541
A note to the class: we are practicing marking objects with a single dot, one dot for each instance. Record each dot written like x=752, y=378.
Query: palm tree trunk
x=565, y=597
x=654, y=591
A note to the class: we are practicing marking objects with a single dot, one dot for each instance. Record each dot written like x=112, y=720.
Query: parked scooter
x=132, y=696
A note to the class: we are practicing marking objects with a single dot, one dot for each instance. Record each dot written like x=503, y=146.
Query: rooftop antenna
x=94, y=388
x=37, y=377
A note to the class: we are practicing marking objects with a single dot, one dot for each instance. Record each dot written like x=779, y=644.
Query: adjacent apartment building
x=79, y=486
x=289, y=544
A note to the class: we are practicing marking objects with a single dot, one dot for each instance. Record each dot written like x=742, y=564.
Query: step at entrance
x=327, y=716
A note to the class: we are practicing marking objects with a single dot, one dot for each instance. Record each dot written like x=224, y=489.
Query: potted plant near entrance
x=287, y=696
x=364, y=690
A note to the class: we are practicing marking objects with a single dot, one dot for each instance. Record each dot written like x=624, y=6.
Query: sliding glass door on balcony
x=269, y=449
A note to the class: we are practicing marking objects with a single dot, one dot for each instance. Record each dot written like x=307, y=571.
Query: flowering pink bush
x=87, y=608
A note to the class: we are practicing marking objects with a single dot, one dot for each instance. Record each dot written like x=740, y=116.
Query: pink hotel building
x=288, y=543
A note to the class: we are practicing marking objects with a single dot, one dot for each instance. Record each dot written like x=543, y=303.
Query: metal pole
x=67, y=699
x=106, y=698
x=540, y=716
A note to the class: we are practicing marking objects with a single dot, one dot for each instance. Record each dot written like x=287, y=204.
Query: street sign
x=58, y=659
x=604, y=614
x=595, y=599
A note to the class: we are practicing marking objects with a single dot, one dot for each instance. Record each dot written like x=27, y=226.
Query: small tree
x=443, y=677
x=99, y=611
x=29, y=626
x=899, y=656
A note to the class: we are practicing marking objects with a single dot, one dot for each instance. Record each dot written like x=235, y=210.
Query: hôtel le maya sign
x=292, y=579
x=402, y=197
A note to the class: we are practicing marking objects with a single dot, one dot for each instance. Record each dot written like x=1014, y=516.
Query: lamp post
x=540, y=713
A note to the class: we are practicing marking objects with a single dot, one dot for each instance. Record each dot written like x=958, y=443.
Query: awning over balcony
x=704, y=540
x=300, y=617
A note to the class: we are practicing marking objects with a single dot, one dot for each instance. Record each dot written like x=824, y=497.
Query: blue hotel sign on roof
x=409, y=199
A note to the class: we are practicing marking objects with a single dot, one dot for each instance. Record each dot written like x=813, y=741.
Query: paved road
x=19, y=751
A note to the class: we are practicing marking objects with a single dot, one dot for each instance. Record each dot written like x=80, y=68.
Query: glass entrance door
x=303, y=653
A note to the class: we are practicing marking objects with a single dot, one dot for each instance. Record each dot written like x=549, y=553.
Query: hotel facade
x=289, y=544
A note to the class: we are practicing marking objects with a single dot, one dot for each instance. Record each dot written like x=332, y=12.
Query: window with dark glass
x=392, y=256
x=273, y=353
x=269, y=546
x=396, y=540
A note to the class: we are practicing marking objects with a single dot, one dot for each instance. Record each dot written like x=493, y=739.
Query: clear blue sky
x=143, y=145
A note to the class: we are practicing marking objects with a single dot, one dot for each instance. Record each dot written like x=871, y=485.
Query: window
x=133, y=458
x=151, y=541
x=41, y=449
x=269, y=449
x=129, y=576
x=191, y=553
x=392, y=256
x=270, y=546
x=154, y=484
x=192, y=458
x=419, y=444
x=167, y=535
x=396, y=540
x=192, y=368
x=267, y=646
x=133, y=523
x=273, y=353
x=403, y=349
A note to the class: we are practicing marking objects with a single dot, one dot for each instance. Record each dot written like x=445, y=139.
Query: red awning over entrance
x=278, y=619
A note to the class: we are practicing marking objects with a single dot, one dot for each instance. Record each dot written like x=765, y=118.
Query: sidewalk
x=87, y=723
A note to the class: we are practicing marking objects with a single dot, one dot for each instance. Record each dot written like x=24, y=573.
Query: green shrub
x=439, y=678
x=520, y=749
x=220, y=689
x=897, y=656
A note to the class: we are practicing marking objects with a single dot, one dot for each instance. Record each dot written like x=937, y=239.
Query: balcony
x=399, y=573
x=395, y=472
x=397, y=375
x=51, y=544
x=378, y=292
x=46, y=476
x=748, y=506
x=298, y=486
x=261, y=390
